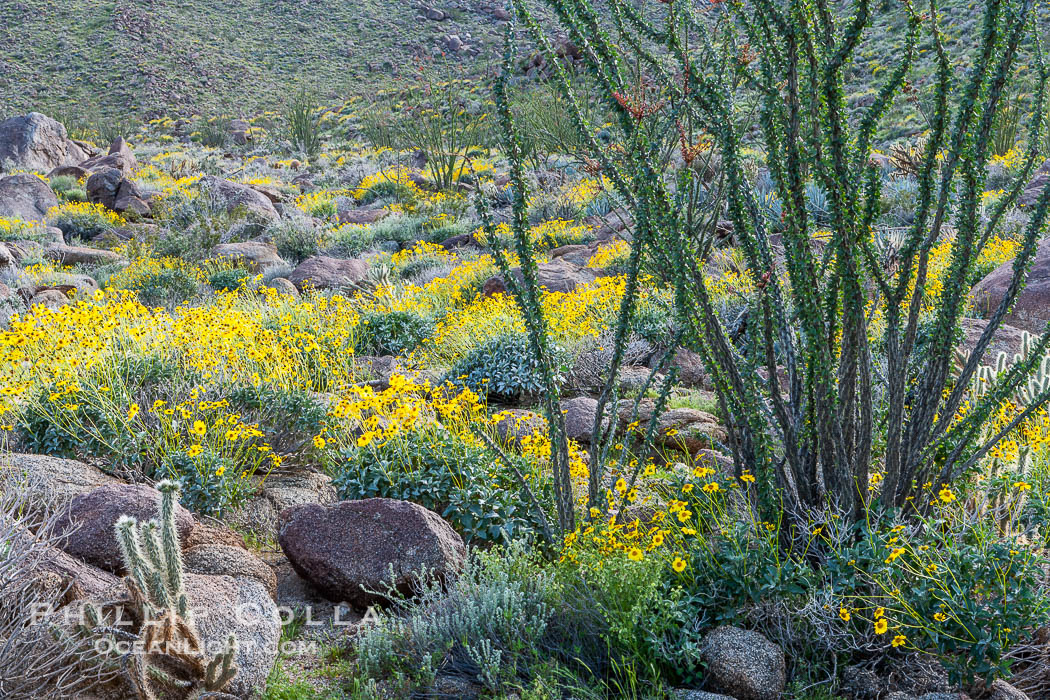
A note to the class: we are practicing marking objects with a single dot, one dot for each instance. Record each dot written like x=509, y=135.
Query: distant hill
x=154, y=57
x=103, y=59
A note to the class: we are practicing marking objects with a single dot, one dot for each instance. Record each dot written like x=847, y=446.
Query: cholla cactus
x=1026, y=393
x=168, y=657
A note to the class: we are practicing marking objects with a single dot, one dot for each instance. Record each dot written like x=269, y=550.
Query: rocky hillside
x=100, y=57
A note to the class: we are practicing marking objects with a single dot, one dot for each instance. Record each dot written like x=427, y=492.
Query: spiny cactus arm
x=221, y=670
x=964, y=248
x=169, y=536
x=131, y=551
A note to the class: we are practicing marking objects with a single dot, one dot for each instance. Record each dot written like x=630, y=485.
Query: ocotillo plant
x=850, y=398
x=167, y=656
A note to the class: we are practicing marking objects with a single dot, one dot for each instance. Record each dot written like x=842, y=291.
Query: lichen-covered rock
x=224, y=605
x=256, y=255
x=221, y=559
x=237, y=196
x=744, y=664
x=352, y=549
x=54, y=481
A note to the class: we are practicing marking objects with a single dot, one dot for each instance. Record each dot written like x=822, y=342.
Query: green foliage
x=213, y=133
x=68, y=188
x=84, y=223
x=166, y=286
x=445, y=474
x=296, y=238
x=809, y=317
x=503, y=367
x=394, y=332
x=228, y=279
x=210, y=483
x=303, y=124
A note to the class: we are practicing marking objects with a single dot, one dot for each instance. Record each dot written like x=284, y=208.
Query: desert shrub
x=18, y=230
x=394, y=332
x=289, y=417
x=490, y=624
x=84, y=221
x=296, y=238
x=166, y=287
x=197, y=224
x=213, y=132
x=392, y=190
x=68, y=188
x=206, y=487
x=303, y=124
x=350, y=240
x=228, y=279
x=502, y=367
x=440, y=471
x=442, y=116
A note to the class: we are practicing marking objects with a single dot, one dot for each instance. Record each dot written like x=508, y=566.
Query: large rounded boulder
x=87, y=527
x=25, y=196
x=353, y=549
x=322, y=272
x=225, y=605
x=1031, y=310
x=37, y=142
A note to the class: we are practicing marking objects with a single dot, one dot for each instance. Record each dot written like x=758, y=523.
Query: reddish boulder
x=321, y=272
x=1031, y=310
x=557, y=276
x=349, y=549
x=88, y=526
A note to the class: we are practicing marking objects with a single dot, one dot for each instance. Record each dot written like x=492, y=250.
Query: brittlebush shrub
x=503, y=368
x=393, y=333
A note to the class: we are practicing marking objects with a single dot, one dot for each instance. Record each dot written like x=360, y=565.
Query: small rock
x=257, y=256
x=744, y=664
x=580, y=414
x=82, y=255
x=516, y=423
x=283, y=285
x=221, y=559
x=1001, y=690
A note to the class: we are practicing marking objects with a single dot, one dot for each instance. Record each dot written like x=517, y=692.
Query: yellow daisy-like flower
x=747, y=478
x=621, y=485
x=678, y=564
x=940, y=617
x=199, y=428
x=634, y=554
x=133, y=411
x=220, y=471
x=1022, y=486
x=844, y=614
x=684, y=515
x=881, y=625
x=712, y=487
x=194, y=451
x=946, y=495
x=899, y=640
x=319, y=442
